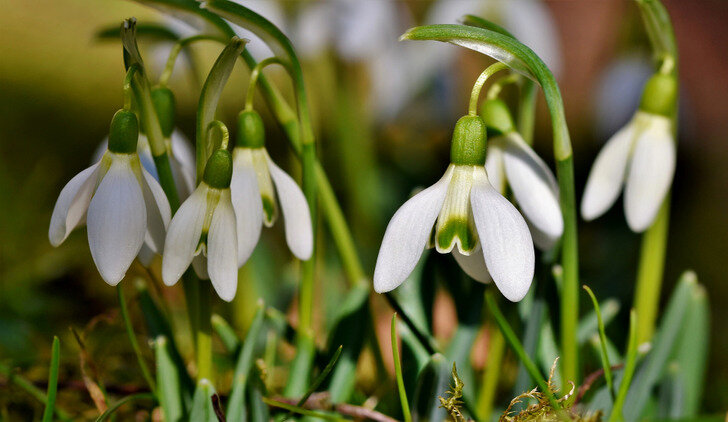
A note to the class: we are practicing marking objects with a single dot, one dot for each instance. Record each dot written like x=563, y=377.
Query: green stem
x=398, y=372
x=486, y=397
x=628, y=369
x=254, y=75
x=133, y=340
x=204, y=333
x=603, y=342
x=495, y=89
x=52, y=381
x=478, y=86
x=650, y=272
x=515, y=344
x=527, y=110
x=127, y=85
x=176, y=49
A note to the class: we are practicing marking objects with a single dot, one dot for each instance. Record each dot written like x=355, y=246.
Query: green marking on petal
x=270, y=209
x=456, y=230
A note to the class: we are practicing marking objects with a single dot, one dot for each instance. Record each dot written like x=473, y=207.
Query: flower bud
x=468, y=142
x=124, y=132
x=219, y=169
x=660, y=95
x=251, y=133
x=497, y=117
x=164, y=105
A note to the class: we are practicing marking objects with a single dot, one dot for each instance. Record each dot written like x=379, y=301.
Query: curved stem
x=254, y=75
x=495, y=89
x=176, y=49
x=222, y=132
x=478, y=86
x=133, y=340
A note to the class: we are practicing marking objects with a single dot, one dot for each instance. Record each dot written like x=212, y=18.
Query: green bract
x=468, y=142
x=219, y=170
x=124, y=132
x=251, y=132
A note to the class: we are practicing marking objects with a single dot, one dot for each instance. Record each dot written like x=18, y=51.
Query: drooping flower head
x=204, y=230
x=512, y=162
x=485, y=233
x=122, y=204
x=641, y=155
x=256, y=182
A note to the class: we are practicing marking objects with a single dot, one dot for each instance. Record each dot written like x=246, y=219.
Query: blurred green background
x=59, y=87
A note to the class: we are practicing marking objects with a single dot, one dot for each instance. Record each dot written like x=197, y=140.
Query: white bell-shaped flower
x=205, y=227
x=510, y=161
x=642, y=156
x=121, y=203
x=485, y=233
x=255, y=182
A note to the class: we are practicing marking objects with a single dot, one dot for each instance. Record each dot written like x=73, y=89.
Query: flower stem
x=254, y=75
x=127, y=86
x=649, y=273
x=204, y=333
x=398, y=372
x=478, y=86
x=486, y=397
x=176, y=49
x=133, y=340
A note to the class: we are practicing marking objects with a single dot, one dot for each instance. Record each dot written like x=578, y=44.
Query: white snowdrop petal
x=116, y=221
x=407, y=234
x=494, y=164
x=505, y=239
x=607, y=174
x=145, y=256
x=183, y=164
x=158, y=212
x=650, y=174
x=183, y=236
x=296, y=215
x=473, y=264
x=72, y=204
x=247, y=205
x=534, y=187
x=222, y=255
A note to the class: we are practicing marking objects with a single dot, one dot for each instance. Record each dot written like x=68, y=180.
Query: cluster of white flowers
x=215, y=229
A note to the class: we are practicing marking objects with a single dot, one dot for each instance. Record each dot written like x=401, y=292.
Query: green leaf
x=236, y=403
x=227, y=335
x=150, y=31
x=202, y=408
x=472, y=20
x=351, y=323
x=691, y=353
x=321, y=377
x=433, y=382
x=603, y=341
x=189, y=11
x=629, y=366
x=662, y=347
x=168, y=382
x=52, y=380
x=404, y=403
x=589, y=324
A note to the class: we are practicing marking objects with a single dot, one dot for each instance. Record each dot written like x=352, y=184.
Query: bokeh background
x=383, y=126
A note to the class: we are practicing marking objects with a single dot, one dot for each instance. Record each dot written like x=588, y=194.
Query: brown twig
x=590, y=379
x=320, y=401
x=216, y=406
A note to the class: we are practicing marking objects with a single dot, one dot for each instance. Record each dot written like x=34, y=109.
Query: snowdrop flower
x=121, y=202
x=641, y=155
x=205, y=225
x=255, y=181
x=484, y=232
x=511, y=161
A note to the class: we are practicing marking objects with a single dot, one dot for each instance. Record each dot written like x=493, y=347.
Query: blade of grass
x=321, y=377
x=603, y=340
x=52, y=381
x=398, y=372
x=226, y=333
x=169, y=394
x=113, y=408
x=31, y=389
x=301, y=411
x=133, y=340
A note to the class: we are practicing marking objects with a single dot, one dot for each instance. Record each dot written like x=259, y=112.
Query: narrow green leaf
x=603, y=340
x=433, y=382
x=662, y=347
x=226, y=333
x=189, y=11
x=236, y=402
x=52, y=380
x=202, y=408
x=691, y=353
x=472, y=20
x=589, y=324
x=629, y=366
x=152, y=31
x=170, y=393
x=113, y=408
x=398, y=371
x=302, y=411
x=351, y=323
x=321, y=377
x=133, y=340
